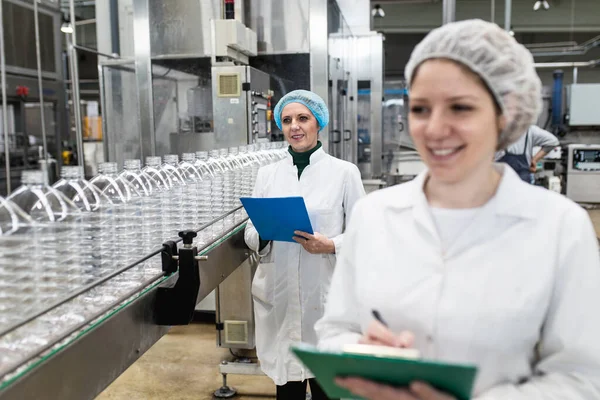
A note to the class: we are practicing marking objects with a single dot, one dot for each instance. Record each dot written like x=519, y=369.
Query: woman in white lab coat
x=468, y=263
x=292, y=280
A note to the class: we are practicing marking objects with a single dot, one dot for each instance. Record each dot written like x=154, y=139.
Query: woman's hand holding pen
x=316, y=243
x=379, y=334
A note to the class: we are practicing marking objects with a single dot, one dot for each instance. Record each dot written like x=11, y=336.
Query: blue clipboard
x=276, y=218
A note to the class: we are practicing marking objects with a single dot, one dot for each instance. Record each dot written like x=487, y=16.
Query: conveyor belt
x=104, y=327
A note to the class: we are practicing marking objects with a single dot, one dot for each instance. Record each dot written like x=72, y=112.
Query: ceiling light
x=377, y=11
x=541, y=3
x=66, y=28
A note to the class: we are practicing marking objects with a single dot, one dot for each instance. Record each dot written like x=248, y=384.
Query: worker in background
x=292, y=279
x=519, y=155
x=467, y=263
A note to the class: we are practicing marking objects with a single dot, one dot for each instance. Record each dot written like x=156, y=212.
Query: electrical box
x=240, y=104
x=584, y=105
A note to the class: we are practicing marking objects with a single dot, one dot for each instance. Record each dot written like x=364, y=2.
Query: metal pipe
x=582, y=64
x=563, y=49
x=73, y=18
x=39, y=76
x=449, y=11
x=575, y=74
x=115, y=42
x=104, y=108
x=85, y=22
x=89, y=50
x=493, y=16
x=85, y=3
x=76, y=96
x=507, y=14
x=4, y=101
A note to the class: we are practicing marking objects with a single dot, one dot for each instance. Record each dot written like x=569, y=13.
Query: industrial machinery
x=369, y=50
x=583, y=173
x=193, y=76
x=194, y=93
x=34, y=88
x=73, y=346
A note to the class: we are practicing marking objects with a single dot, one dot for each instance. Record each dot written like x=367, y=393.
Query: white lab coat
x=290, y=285
x=517, y=293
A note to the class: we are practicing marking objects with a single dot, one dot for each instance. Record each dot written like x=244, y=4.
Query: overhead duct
x=563, y=48
x=577, y=64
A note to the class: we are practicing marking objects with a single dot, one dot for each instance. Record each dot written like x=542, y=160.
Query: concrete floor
x=184, y=365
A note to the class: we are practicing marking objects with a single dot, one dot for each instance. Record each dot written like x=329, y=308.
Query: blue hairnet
x=311, y=100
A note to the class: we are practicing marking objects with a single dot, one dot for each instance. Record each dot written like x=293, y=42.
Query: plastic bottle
x=175, y=212
x=235, y=160
x=96, y=209
x=228, y=188
x=18, y=248
x=127, y=215
x=164, y=186
x=191, y=201
x=263, y=155
x=217, y=206
x=151, y=214
x=204, y=200
x=60, y=229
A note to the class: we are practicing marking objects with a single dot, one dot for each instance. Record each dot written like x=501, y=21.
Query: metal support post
x=319, y=60
x=4, y=101
x=115, y=42
x=449, y=12
x=143, y=76
x=75, y=93
x=39, y=77
x=507, y=14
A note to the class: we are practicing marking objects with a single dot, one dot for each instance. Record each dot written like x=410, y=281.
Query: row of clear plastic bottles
x=81, y=230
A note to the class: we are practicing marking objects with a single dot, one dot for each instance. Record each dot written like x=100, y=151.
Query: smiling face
x=453, y=121
x=300, y=127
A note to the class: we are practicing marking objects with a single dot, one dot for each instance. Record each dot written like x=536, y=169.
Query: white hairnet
x=311, y=100
x=503, y=64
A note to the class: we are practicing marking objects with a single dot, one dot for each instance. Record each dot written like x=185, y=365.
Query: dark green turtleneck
x=301, y=160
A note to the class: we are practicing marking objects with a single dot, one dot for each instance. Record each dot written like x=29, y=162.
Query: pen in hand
x=405, y=339
x=378, y=317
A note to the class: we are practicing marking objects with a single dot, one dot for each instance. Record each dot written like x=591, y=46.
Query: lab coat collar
x=315, y=157
x=507, y=200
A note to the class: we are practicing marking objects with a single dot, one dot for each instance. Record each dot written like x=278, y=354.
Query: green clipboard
x=454, y=379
